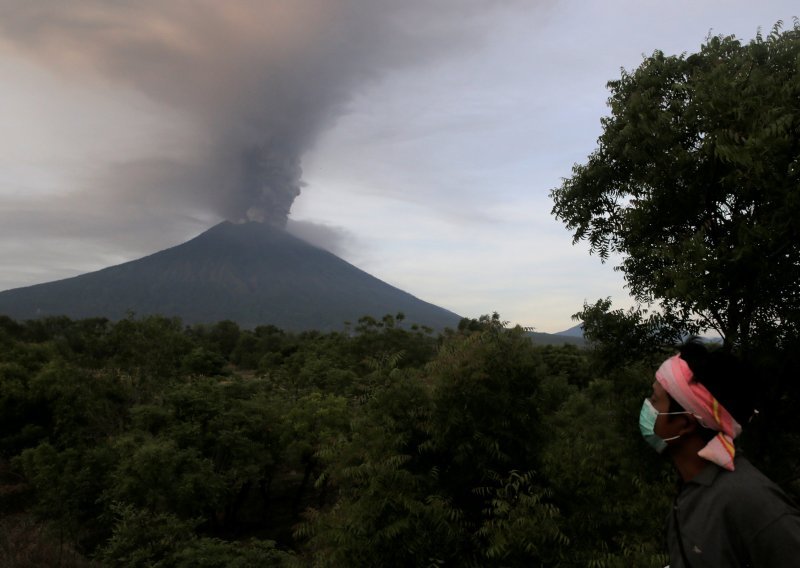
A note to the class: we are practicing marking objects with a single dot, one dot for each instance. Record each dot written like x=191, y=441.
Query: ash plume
x=258, y=80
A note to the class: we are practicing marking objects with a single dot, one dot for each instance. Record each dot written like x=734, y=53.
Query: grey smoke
x=259, y=80
x=333, y=239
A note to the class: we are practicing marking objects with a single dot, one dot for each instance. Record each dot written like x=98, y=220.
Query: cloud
x=337, y=240
x=49, y=237
x=255, y=81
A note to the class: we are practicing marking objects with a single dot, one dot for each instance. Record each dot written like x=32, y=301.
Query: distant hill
x=574, y=331
x=250, y=273
x=561, y=338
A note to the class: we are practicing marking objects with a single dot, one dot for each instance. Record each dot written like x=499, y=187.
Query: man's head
x=699, y=399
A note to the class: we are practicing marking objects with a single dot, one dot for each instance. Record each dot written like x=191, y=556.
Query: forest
x=148, y=443
x=145, y=442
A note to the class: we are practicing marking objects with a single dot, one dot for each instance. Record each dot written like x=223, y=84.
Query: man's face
x=665, y=426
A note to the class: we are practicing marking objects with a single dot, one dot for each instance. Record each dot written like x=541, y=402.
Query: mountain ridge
x=250, y=273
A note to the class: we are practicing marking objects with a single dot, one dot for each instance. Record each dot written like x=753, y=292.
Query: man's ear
x=689, y=425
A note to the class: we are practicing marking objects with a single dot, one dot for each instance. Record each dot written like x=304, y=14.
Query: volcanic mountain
x=250, y=273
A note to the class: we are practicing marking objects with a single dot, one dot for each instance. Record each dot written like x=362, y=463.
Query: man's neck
x=686, y=460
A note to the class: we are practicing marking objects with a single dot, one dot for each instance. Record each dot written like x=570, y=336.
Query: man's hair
x=725, y=376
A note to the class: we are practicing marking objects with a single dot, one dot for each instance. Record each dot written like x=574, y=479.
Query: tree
x=143, y=538
x=150, y=349
x=696, y=183
x=620, y=337
x=429, y=473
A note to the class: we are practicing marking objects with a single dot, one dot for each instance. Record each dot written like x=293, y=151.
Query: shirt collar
x=707, y=476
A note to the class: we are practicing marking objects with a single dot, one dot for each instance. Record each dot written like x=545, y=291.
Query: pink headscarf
x=676, y=378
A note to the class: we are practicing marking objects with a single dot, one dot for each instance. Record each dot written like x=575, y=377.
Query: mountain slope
x=539, y=338
x=574, y=331
x=249, y=273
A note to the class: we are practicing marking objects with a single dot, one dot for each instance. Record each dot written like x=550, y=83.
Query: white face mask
x=647, y=424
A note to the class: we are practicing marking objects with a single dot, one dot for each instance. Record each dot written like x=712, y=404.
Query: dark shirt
x=734, y=519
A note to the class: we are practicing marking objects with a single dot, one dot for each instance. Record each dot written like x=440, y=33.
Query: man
x=727, y=513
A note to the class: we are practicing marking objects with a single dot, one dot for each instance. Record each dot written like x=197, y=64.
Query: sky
x=418, y=140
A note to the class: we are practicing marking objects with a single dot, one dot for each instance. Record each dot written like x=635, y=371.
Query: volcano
x=250, y=273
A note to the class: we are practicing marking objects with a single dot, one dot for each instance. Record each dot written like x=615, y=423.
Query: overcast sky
x=423, y=137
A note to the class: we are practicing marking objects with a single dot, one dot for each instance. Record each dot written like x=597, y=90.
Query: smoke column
x=258, y=79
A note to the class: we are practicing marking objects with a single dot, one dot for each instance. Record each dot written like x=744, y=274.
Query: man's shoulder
x=745, y=478
x=750, y=495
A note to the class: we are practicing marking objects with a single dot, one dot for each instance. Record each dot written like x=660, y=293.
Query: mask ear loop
x=695, y=416
x=680, y=412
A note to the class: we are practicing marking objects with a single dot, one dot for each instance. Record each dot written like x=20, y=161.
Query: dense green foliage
x=144, y=443
x=696, y=183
